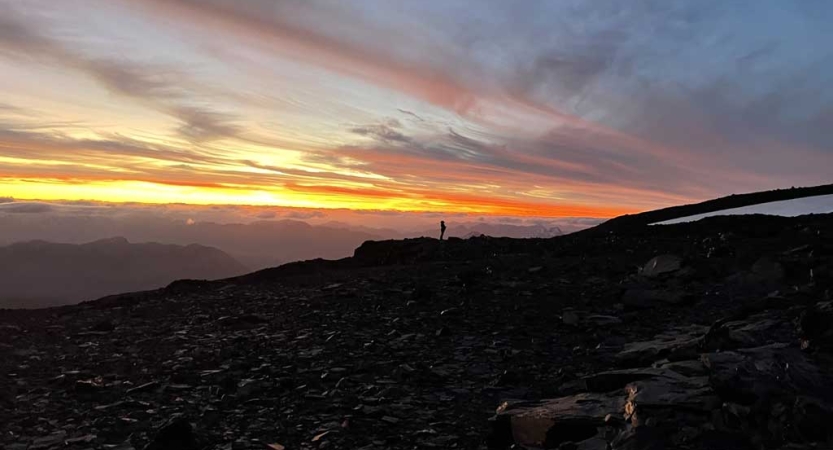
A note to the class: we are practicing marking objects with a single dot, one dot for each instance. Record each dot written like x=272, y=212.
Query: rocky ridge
x=707, y=335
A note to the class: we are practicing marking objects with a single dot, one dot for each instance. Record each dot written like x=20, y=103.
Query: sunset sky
x=511, y=108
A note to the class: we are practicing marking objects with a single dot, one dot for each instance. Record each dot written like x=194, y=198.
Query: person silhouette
x=442, y=229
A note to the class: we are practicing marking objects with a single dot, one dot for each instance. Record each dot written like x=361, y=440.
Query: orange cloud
x=442, y=84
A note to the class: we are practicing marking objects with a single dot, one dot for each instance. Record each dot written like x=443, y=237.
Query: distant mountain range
x=39, y=273
x=257, y=244
x=271, y=242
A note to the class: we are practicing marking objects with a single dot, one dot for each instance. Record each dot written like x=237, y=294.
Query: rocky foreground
x=712, y=335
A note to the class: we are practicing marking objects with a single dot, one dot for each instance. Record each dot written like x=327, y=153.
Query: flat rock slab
x=649, y=397
x=661, y=264
x=677, y=344
x=548, y=423
x=691, y=368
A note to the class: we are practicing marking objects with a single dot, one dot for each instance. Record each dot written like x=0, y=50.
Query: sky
x=543, y=109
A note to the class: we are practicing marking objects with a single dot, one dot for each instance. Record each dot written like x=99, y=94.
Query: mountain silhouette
x=257, y=245
x=40, y=273
x=648, y=335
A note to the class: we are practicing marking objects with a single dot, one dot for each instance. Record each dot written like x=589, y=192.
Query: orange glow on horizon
x=296, y=196
x=277, y=105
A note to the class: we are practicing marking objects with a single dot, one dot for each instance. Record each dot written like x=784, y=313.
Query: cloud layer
x=537, y=109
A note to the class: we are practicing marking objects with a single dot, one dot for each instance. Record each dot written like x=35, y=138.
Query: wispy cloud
x=163, y=88
x=561, y=108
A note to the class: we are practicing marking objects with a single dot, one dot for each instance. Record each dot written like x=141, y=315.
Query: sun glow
x=223, y=102
x=299, y=196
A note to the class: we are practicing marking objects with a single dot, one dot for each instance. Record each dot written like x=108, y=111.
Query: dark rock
x=600, y=320
x=811, y=419
x=143, y=387
x=573, y=317
x=508, y=378
x=176, y=434
x=594, y=443
x=81, y=439
x=671, y=401
x=690, y=368
x=660, y=265
x=618, y=379
x=54, y=440
x=767, y=270
x=764, y=276
x=815, y=326
x=764, y=328
x=642, y=298
x=570, y=317
x=242, y=321
x=286, y=354
x=676, y=344
x=104, y=326
x=549, y=423
x=641, y=438
x=767, y=372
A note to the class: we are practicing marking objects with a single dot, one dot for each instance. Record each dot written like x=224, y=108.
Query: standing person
x=442, y=229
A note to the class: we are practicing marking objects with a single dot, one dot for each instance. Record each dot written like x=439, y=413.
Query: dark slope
x=414, y=344
x=733, y=201
x=38, y=273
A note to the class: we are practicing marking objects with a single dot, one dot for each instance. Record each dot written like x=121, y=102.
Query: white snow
x=820, y=204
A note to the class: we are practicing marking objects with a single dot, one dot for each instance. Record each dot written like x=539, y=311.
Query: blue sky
x=534, y=108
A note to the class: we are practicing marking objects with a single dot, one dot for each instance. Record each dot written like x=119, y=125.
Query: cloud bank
x=538, y=109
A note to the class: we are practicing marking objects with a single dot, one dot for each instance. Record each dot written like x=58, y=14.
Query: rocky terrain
x=709, y=335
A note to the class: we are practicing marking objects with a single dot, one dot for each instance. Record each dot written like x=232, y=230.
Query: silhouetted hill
x=39, y=273
x=270, y=243
x=258, y=244
x=718, y=204
x=474, y=229
x=700, y=335
x=460, y=230
x=713, y=334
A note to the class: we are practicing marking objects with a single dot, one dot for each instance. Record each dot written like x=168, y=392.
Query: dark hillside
x=705, y=335
x=718, y=204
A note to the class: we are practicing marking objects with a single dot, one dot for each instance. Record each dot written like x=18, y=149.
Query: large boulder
x=660, y=265
x=549, y=423
x=764, y=328
x=667, y=404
